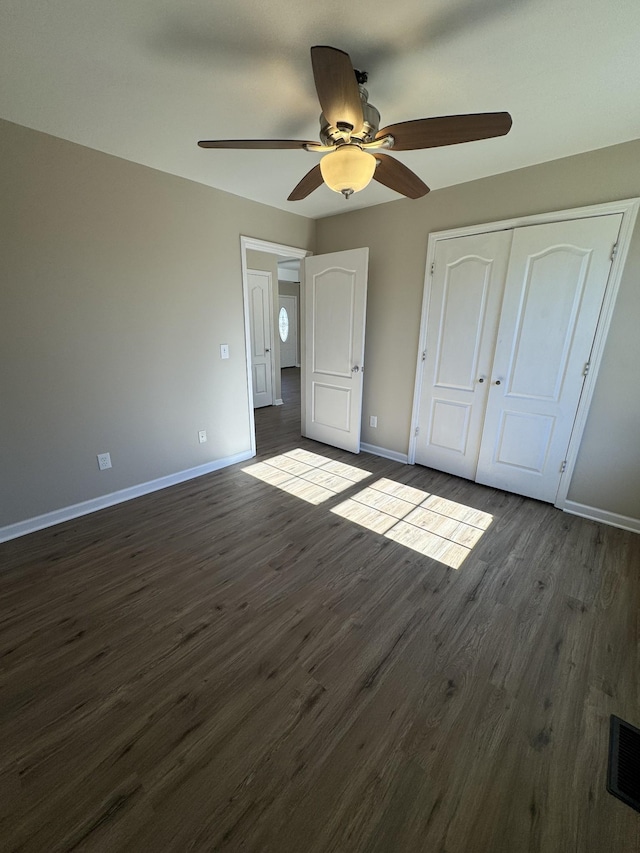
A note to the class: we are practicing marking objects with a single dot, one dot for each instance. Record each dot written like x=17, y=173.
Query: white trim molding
x=279, y=402
x=386, y=454
x=602, y=515
x=68, y=513
x=629, y=210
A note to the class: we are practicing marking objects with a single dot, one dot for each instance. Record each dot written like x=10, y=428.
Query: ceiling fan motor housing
x=330, y=135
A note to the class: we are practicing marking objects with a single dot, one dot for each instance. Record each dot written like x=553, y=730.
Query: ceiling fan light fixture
x=348, y=169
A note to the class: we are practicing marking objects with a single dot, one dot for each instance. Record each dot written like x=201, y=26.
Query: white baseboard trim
x=279, y=402
x=67, y=513
x=386, y=454
x=602, y=515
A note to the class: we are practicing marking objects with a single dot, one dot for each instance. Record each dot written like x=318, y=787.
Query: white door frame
x=247, y=243
x=629, y=210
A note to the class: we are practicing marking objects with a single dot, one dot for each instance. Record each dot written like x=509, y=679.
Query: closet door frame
x=629, y=210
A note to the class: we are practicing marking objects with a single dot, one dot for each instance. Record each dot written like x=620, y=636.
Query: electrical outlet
x=104, y=461
x=224, y=350
x=202, y=436
x=373, y=421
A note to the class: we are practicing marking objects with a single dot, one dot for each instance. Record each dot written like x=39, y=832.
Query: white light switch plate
x=224, y=350
x=202, y=436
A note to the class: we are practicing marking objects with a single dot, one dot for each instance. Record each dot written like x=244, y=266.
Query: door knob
x=498, y=381
x=481, y=379
x=355, y=369
x=267, y=350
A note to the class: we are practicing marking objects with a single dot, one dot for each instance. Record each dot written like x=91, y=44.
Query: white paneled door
x=553, y=294
x=259, y=285
x=334, y=304
x=288, y=330
x=511, y=321
x=462, y=324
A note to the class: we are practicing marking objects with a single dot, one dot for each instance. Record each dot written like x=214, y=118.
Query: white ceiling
x=145, y=79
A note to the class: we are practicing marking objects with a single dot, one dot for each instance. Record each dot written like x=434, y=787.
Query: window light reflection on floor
x=309, y=476
x=436, y=527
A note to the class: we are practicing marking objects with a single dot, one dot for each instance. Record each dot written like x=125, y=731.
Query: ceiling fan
x=353, y=146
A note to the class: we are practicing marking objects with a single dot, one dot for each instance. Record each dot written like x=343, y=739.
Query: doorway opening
x=271, y=283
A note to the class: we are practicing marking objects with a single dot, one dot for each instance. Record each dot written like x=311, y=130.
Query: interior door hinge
x=424, y=355
x=563, y=467
x=417, y=431
x=586, y=368
x=433, y=267
x=614, y=251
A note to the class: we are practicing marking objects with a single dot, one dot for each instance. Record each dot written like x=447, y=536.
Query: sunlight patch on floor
x=309, y=476
x=436, y=527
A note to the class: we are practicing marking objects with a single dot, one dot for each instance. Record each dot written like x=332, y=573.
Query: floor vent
x=623, y=778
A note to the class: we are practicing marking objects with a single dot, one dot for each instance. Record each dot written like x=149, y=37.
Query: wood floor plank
x=266, y=660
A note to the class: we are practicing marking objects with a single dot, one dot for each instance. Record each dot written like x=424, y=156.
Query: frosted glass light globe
x=347, y=169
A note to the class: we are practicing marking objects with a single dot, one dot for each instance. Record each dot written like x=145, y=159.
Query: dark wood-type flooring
x=223, y=665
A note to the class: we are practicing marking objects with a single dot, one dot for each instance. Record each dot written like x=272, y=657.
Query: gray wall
x=607, y=475
x=119, y=283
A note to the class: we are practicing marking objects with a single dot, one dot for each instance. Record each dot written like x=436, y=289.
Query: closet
x=510, y=325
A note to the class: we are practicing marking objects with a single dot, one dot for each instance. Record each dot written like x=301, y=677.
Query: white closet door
x=555, y=286
x=464, y=307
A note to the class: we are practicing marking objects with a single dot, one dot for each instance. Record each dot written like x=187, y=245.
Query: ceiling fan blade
x=307, y=185
x=337, y=87
x=446, y=130
x=395, y=175
x=253, y=143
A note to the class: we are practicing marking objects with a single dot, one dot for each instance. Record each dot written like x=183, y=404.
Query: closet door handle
x=481, y=379
x=498, y=381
